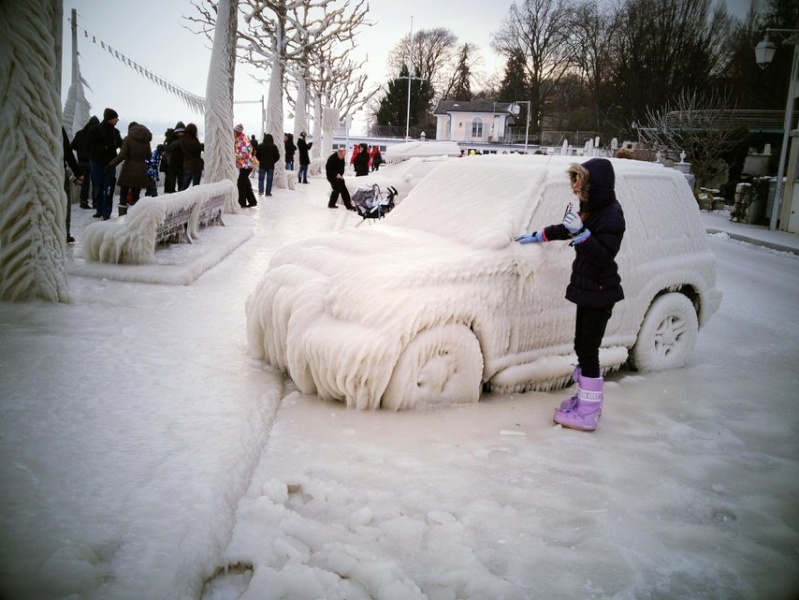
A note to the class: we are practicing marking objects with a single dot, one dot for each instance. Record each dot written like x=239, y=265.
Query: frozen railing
x=133, y=238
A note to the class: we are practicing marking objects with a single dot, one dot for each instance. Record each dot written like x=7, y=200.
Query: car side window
x=555, y=198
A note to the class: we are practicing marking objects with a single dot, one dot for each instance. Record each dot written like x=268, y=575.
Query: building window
x=477, y=128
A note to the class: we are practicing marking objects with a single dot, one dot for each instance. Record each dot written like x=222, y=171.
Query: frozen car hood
x=369, y=275
x=484, y=221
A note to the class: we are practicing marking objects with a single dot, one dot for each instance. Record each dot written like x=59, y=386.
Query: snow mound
x=408, y=150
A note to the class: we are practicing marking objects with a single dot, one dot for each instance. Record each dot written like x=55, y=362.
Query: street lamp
x=516, y=110
x=764, y=53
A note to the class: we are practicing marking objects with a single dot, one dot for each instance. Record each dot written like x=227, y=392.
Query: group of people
x=303, y=147
x=101, y=149
x=365, y=158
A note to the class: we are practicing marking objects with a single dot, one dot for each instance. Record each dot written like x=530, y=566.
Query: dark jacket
x=103, y=140
x=191, y=149
x=135, y=152
x=69, y=157
x=289, y=148
x=303, y=148
x=80, y=143
x=362, y=163
x=267, y=153
x=595, y=280
x=334, y=166
x=175, y=154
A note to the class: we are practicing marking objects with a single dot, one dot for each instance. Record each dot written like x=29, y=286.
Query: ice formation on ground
x=436, y=298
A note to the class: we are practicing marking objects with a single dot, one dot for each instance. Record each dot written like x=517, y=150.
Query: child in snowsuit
x=595, y=232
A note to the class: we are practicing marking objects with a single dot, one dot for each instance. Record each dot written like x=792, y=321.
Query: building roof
x=481, y=106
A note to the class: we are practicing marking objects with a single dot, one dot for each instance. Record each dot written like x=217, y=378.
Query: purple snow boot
x=584, y=412
x=571, y=402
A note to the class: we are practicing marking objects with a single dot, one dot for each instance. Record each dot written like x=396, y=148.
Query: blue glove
x=572, y=222
x=581, y=237
x=530, y=238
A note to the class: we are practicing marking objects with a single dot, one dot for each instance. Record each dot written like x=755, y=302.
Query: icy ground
x=145, y=455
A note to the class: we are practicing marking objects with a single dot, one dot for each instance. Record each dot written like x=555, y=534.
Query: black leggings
x=588, y=333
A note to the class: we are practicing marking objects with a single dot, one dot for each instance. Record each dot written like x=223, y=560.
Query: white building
x=477, y=121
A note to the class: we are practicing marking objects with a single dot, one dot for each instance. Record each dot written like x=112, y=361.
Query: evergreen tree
x=461, y=88
x=515, y=84
x=393, y=107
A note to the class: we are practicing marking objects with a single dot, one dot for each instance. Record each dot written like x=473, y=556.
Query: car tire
x=439, y=367
x=667, y=336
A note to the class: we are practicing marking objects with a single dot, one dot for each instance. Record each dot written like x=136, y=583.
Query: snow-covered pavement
x=146, y=455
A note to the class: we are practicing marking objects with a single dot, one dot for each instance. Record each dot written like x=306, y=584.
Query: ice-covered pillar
x=220, y=161
x=69, y=106
x=274, y=118
x=330, y=122
x=76, y=108
x=32, y=200
x=316, y=149
x=300, y=108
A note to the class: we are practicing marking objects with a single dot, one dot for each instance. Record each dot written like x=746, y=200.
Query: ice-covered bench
x=133, y=238
x=211, y=211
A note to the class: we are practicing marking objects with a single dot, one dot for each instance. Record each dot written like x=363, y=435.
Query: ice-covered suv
x=436, y=302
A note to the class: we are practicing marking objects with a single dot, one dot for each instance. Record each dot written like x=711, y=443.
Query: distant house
x=475, y=121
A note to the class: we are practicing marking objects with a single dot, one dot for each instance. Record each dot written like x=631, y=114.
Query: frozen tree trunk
x=330, y=122
x=300, y=110
x=316, y=149
x=274, y=118
x=220, y=160
x=32, y=199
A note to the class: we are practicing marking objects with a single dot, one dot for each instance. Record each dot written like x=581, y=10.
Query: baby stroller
x=370, y=204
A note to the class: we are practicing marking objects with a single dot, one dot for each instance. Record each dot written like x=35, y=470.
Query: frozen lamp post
x=409, y=65
x=764, y=53
x=516, y=110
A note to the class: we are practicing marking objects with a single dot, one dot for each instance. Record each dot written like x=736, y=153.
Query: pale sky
x=151, y=33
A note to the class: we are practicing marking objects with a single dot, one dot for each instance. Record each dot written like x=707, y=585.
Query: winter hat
x=180, y=127
x=238, y=128
x=110, y=113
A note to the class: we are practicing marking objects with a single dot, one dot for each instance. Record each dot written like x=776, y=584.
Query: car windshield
x=480, y=201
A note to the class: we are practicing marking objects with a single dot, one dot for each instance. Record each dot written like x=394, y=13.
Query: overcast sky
x=153, y=34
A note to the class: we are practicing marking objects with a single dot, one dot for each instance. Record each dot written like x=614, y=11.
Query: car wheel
x=667, y=336
x=439, y=366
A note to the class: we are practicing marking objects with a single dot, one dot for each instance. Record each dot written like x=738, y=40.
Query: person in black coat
x=362, y=161
x=77, y=172
x=80, y=144
x=305, y=159
x=267, y=154
x=334, y=171
x=595, y=232
x=173, y=181
x=290, y=149
x=103, y=141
